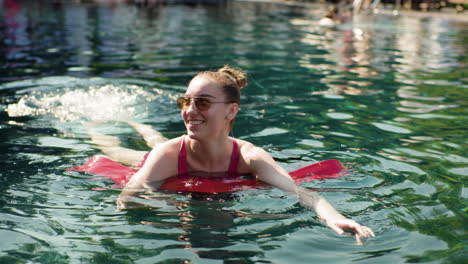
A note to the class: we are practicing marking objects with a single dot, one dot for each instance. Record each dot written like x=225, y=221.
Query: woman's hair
x=230, y=79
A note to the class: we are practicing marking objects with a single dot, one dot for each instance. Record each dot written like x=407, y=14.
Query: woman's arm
x=267, y=170
x=160, y=165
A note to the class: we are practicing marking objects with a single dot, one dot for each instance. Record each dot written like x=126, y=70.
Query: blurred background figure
x=331, y=18
x=339, y=12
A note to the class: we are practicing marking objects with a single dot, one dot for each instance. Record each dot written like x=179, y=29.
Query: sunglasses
x=202, y=103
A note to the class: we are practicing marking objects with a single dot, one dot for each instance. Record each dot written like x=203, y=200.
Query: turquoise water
x=385, y=94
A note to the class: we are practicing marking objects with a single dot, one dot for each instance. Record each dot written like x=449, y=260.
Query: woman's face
x=210, y=123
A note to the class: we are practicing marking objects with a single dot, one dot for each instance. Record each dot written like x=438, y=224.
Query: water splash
x=98, y=103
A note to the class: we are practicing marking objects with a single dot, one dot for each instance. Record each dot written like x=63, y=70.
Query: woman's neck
x=210, y=155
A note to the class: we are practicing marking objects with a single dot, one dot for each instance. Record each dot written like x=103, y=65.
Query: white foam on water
x=94, y=103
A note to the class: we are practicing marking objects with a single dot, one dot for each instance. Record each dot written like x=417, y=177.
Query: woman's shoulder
x=161, y=163
x=162, y=160
x=169, y=146
x=175, y=141
x=243, y=144
x=249, y=150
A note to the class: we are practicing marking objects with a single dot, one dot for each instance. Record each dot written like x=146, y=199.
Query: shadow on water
x=188, y=220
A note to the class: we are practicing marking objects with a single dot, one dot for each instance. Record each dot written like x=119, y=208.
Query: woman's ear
x=232, y=111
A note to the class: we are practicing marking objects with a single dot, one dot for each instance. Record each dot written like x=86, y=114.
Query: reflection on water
x=383, y=93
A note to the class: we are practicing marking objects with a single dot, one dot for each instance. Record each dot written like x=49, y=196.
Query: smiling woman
x=367, y=93
x=222, y=86
x=208, y=108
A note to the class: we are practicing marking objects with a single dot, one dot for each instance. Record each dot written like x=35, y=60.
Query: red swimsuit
x=226, y=182
x=229, y=182
x=183, y=166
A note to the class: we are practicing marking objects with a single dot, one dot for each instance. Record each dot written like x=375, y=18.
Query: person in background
x=331, y=17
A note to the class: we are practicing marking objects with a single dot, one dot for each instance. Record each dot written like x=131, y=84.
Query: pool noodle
x=105, y=167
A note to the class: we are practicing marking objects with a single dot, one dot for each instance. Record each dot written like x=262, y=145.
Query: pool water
x=385, y=94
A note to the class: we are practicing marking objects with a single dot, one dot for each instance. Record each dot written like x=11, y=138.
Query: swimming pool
x=385, y=95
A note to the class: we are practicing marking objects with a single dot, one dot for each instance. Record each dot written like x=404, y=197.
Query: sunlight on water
x=384, y=94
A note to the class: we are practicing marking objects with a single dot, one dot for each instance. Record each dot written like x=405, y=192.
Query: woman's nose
x=192, y=106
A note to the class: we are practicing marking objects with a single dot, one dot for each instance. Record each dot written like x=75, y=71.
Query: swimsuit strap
x=143, y=161
x=232, y=171
x=183, y=165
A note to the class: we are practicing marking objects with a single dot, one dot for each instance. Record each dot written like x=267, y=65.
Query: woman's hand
x=121, y=204
x=339, y=225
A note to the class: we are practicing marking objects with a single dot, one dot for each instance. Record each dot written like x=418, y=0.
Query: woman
x=209, y=108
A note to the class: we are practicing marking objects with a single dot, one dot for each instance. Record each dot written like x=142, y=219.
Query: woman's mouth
x=194, y=122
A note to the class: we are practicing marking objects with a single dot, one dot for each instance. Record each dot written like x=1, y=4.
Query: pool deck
x=445, y=13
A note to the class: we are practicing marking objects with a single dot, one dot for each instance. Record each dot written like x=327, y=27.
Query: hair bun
x=237, y=75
